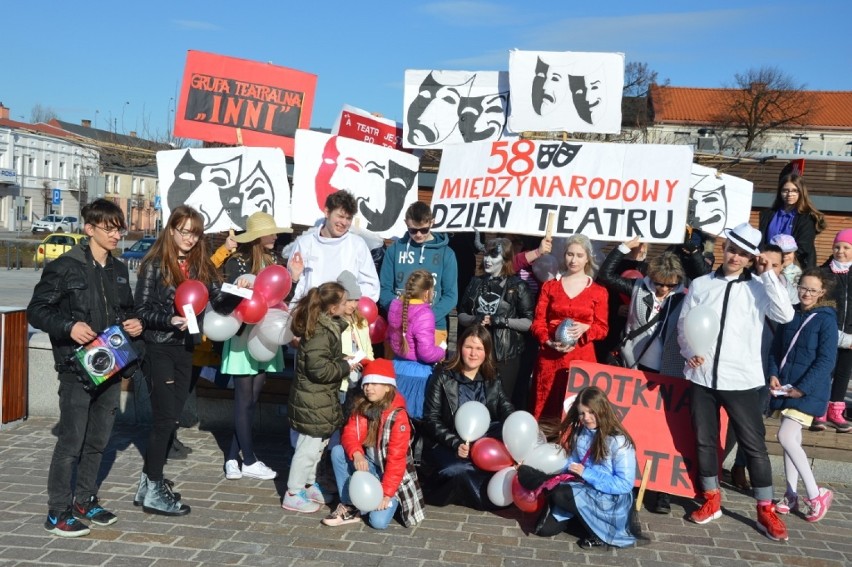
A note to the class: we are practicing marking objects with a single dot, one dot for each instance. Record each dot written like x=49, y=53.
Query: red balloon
x=274, y=283
x=367, y=308
x=378, y=330
x=490, y=455
x=252, y=310
x=525, y=499
x=191, y=292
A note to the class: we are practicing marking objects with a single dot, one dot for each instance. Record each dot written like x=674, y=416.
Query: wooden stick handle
x=646, y=475
x=551, y=220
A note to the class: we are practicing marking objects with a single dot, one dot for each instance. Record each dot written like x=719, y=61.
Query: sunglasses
x=424, y=230
x=666, y=285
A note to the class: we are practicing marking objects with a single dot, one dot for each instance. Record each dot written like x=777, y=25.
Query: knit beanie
x=350, y=284
x=844, y=235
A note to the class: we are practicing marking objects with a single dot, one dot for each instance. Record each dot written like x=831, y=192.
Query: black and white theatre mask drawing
x=549, y=87
x=452, y=107
x=588, y=92
x=225, y=185
x=711, y=208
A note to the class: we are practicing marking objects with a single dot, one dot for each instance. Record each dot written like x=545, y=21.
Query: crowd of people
x=784, y=348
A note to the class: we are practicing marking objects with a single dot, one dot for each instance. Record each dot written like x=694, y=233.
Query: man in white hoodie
x=333, y=248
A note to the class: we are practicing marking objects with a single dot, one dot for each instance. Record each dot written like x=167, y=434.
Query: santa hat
x=379, y=371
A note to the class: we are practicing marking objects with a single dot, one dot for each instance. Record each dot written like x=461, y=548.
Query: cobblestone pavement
x=242, y=523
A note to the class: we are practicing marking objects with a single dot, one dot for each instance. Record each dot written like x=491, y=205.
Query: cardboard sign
x=608, y=192
x=566, y=91
x=383, y=180
x=236, y=101
x=655, y=411
x=362, y=126
x=226, y=185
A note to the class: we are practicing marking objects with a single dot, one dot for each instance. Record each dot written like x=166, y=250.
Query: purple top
x=420, y=333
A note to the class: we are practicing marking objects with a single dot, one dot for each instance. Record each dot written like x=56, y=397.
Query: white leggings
x=795, y=459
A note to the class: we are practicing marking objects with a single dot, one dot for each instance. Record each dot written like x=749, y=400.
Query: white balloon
x=472, y=420
x=218, y=327
x=274, y=327
x=520, y=434
x=500, y=487
x=365, y=491
x=701, y=328
x=549, y=458
x=260, y=350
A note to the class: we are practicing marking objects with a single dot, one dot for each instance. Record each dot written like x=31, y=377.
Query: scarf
x=840, y=267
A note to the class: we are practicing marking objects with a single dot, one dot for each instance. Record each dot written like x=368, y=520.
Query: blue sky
x=120, y=63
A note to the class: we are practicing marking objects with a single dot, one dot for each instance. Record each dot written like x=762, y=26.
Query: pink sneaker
x=787, y=504
x=817, y=507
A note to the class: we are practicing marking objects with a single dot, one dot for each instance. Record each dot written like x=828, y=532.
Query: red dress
x=590, y=306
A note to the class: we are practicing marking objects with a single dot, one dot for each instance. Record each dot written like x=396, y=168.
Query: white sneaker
x=259, y=470
x=232, y=470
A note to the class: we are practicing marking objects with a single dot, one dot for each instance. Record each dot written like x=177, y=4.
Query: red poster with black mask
x=221, y=94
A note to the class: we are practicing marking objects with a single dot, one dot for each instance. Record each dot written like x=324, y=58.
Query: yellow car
x=55, y=245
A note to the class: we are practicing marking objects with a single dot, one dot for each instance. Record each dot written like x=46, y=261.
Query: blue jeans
x=343, y=469
x=82, y=435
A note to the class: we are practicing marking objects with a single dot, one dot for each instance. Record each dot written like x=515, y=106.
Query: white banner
x=605, y=191
x=717, y=201
x=566, y=91
x=454, y=107
x=384, y=181
x=226, y=185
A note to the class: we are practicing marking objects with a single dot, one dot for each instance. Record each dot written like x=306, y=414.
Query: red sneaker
x=710, y=510
x=769, y=523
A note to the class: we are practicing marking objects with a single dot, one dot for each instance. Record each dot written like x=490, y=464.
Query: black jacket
x=155, y=305
x=517, y=303
x=442, y=402
x=804, y=232
x=73, y=288
x=842, y=297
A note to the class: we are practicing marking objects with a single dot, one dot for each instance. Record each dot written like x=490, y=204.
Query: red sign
x=655, y=410
x=220, y=95
x=358, y=125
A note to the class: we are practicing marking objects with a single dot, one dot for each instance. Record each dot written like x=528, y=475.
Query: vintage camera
x=104, y=357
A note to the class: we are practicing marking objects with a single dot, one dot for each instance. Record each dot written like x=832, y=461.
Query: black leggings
x=842, y=372
x=246, y=394
x=168, y=372
x=561, y=497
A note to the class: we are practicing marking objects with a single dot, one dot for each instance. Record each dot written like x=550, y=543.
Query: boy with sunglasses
x=729, y=373
x=422, y=249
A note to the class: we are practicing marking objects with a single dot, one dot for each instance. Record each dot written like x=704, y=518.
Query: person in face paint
x=502, y=302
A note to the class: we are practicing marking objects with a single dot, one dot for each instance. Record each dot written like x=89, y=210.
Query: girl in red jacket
x=376, y=439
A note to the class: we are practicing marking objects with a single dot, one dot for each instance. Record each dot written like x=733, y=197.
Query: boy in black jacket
x=79, y=295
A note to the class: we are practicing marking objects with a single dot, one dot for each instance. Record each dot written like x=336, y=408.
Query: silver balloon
x=562, y=336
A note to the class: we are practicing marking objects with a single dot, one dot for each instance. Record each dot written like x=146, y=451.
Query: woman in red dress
x=574, y=296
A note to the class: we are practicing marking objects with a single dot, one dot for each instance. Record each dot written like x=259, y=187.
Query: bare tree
x=761, y=100
x=41, y=113
x=47, y=196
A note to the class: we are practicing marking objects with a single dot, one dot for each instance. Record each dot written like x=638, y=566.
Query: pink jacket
x=420, y=332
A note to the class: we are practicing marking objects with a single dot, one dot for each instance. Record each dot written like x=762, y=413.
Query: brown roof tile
x=686, y=105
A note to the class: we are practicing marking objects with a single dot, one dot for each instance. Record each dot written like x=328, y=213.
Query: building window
x=47, y=168
x=107, y=186
x=62, y=170
x=31, y=166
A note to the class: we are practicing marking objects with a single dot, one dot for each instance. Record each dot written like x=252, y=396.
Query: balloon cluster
x=264, y=309
x=378, y=326
x=523, y=443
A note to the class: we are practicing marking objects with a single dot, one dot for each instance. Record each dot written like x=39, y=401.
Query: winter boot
x=818, y=423
x=835, y=417
x=161, y=500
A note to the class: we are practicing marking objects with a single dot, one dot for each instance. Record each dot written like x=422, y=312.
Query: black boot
x=161, y=500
